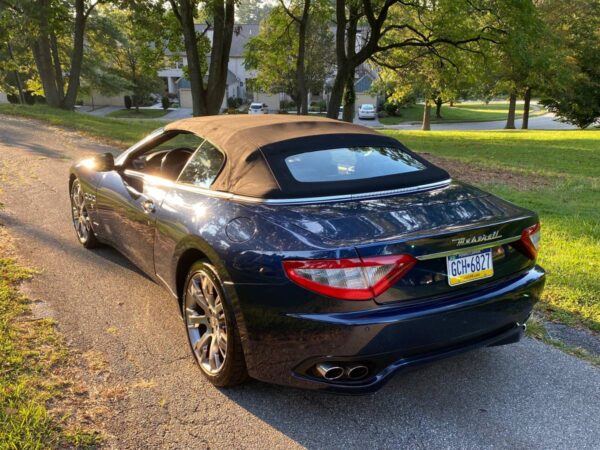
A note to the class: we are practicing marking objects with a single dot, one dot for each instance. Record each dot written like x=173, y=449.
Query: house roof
x=256, y=147
x=241, y=34
x=184, y=83
x=363, y=84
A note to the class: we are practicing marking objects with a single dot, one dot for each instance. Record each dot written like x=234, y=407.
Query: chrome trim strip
x=288, y=201
x=474, y=248
x=339, y=198
x=166, y=285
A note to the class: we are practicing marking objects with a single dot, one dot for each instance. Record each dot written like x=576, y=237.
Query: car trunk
x=455, y=219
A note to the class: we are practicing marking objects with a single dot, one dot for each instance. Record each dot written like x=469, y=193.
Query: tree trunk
x=525, y=124
x=349, y=98
x=58, y=75
x=211, y=98
x=42, y=55
x=17, y=75
x=184, y=12
x=337, y=93
x=451, y=103
x=426, y=116
x=438, y=107
x=512, y=106
x=300, y=60
x=77, y=55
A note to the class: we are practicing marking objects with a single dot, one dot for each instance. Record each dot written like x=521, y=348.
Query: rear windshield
x=368, y=107
x=350, y=163
x=255, y=106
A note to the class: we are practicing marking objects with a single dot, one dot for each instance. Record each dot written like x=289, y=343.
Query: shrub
x=287, y=104
x=234, y=102
x=391, y=108
x=128, y=102
x=165, y=102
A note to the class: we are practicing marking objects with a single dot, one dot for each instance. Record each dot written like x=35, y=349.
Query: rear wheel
x=211, y=328
x=81, y=218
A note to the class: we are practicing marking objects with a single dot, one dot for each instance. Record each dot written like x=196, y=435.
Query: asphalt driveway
x=527, y=395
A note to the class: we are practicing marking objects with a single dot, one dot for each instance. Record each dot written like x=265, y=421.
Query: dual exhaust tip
x=333, y=371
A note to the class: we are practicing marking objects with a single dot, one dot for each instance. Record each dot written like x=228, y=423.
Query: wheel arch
x=196, y=249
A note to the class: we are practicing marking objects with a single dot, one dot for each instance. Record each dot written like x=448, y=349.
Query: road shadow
x=501, y=397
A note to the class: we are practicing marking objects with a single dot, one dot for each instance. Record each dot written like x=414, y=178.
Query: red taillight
x=349, y=279
x=530, y=240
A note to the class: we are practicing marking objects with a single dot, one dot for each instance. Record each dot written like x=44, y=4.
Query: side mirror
x=104, y=162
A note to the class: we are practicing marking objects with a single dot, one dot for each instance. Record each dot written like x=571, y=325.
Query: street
x=522, y=396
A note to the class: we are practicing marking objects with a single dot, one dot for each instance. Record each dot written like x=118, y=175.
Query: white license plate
x=469, y=267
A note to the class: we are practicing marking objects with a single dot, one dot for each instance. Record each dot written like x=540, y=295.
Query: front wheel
x=211, y=328
x=81, y=218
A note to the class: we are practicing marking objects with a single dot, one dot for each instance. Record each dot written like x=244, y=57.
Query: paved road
x=527, y=396
x=545, y=122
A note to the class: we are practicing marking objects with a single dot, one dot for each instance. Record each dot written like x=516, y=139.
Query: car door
x=128, y=199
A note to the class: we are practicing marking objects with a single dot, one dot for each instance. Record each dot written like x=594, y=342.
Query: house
x=363, y=90
x=237, y=75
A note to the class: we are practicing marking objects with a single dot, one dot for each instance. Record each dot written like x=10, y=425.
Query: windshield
x=367, y=107
x=255, y=106
x=350, y=163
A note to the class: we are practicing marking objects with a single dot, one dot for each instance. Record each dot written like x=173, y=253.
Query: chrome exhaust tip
x=357, y=372
x=330, y=371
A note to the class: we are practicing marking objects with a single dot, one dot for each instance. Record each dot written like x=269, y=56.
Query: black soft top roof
x=255, y=148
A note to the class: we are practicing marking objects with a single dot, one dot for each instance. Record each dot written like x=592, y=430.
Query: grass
x=460, y=112
x=141, y=114
x=30, y=350
x=568, y=205
x=121, y=132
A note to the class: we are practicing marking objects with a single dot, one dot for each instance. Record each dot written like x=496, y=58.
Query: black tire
x=81, y=220
x=233, y=370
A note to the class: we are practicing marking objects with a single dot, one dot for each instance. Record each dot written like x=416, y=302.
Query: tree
x=573, y=94
x=301, y=19
x=50, y=25
x=207, y=95
x=252, y=11
x=396, y=24
x=137, y=49
x=274, y=53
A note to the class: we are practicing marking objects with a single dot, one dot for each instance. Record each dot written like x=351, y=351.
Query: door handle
x=148, y=206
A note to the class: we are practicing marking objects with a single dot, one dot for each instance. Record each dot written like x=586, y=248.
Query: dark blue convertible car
x=311, y=252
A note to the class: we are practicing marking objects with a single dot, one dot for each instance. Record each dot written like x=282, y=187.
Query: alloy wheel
x=206, y=324
x=81, y=219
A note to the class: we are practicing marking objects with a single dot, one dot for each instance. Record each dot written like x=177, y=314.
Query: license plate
x=469, y=267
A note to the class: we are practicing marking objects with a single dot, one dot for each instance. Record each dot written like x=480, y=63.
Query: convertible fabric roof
x=254, y=146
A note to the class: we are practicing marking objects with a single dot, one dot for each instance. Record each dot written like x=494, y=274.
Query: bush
x=287, y=104
x=128, y=102
x=165, y=102
x=390, y=108
x=233, y=111
x=234, y=102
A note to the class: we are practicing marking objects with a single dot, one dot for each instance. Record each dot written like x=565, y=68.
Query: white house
x=237, y=75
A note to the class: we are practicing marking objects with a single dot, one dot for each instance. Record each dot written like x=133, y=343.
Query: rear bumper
x=284, y=348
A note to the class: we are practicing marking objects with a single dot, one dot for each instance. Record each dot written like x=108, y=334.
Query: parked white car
x=258, y=108
x=367, y=111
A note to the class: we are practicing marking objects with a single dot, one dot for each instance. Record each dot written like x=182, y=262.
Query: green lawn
x=461, y=112
x=116, y=131
x=141, y=114
x=569, y=205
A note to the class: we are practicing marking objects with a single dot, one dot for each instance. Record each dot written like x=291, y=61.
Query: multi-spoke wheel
x=211, y=327
x=81, y=218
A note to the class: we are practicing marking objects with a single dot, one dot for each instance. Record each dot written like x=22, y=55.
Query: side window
x=165, y=157
x=203, y=167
